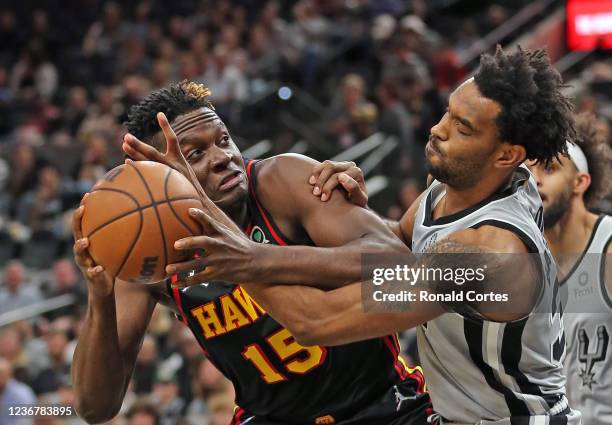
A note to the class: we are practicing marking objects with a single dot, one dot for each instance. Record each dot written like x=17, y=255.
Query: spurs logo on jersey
x=588, y=324
x=590, y=359
x=498, y=372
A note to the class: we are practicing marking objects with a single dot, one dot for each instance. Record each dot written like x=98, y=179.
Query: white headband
x=577, y=156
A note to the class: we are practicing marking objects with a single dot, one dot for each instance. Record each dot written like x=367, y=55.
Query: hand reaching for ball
x=99, y=281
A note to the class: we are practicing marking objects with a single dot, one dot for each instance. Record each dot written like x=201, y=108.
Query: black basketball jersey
x=274, y=376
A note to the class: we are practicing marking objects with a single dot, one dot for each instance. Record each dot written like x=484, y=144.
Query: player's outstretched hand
x=99, y=282
x=226, y=252
x=328, y=175
x=140, y=151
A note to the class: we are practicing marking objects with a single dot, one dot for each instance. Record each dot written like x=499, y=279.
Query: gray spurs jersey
x=484, y=372
x=588, y=326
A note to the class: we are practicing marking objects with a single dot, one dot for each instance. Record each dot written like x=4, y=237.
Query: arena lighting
x=285, y=93
x=589, y=24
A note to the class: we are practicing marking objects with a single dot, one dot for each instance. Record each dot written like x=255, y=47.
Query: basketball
x=133, y=216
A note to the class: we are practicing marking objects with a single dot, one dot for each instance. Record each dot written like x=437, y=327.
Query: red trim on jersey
x=391, y=346
x=177, y=299
x=237, y=416
x=275, y=235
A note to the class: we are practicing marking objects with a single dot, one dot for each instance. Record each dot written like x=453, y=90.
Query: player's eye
x=194, y=154
x=459, y=128
x=225, y=140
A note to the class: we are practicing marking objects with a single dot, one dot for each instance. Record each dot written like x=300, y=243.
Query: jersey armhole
x=472, y=313
x=605, y=292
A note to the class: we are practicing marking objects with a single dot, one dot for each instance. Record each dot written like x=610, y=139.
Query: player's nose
x=220, y=159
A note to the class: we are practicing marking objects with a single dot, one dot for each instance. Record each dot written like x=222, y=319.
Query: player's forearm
x=316, y=317
x=98, y=374
x=321, y=267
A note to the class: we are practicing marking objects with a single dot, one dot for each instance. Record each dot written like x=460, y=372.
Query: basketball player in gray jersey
x=483, y=367
x=579, y=240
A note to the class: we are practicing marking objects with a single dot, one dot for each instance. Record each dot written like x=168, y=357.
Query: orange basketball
x=134, y=215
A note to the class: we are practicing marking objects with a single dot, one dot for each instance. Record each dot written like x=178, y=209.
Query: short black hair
x=174, y=100
x=534, y=112
x=597, y=152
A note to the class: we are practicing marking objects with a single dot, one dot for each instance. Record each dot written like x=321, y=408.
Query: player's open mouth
x=231, y=181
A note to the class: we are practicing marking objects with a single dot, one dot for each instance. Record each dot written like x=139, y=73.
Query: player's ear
x=510, y=155
x=582, y=182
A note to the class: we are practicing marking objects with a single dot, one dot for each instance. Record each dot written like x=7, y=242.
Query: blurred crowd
x=70, y=70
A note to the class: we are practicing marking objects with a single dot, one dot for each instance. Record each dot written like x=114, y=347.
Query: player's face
x=213, y=155
x=461, y=144
x=555, y=184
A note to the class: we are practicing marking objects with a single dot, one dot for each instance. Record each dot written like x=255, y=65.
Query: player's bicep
x=338, y=222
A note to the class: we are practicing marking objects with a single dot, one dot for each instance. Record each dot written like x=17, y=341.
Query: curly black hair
x=534, y=112
x=598, y=155
x=174, y=100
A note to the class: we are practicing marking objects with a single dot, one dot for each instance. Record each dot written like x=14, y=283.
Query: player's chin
x=228, y=198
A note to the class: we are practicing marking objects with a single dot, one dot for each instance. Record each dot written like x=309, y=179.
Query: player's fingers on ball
x=196, y=242
x=81, y=252
x=208, y=223
x=186, y=266
x=95, y=272
x=141, y=151
x=76, y=222
x=133, y=153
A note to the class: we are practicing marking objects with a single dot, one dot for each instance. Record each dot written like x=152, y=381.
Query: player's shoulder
x=494, y=238
x=288, y=167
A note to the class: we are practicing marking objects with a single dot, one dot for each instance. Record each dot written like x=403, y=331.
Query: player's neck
x=239, y=214
x=456, y=200
x=572, y=232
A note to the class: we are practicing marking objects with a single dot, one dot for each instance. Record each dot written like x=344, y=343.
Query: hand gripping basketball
x=99, y=281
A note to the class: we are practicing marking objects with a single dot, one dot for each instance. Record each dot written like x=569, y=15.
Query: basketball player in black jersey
x=512, y=110
x=277, y=380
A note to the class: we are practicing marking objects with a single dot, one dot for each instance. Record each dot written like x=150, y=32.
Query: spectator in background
x=76, y=108
x=221, y=409
x=207, y=383
x=66, y=281
x=33, y=75
x=16, y=290
x=225, y=80
x=24, y=170
x=50, y=378
x=352, y=96
x=143, y=412
x=145, y=369
x=11, y=349
x=103, y=116
x=166, y=398
x=12, y=393
x=40, y=208
x=395, y=120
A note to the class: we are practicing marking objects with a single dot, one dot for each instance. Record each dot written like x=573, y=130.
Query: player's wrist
x=100, y=296
x=262, y=261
